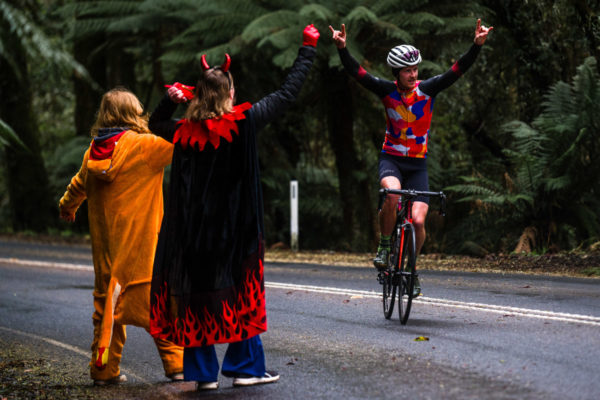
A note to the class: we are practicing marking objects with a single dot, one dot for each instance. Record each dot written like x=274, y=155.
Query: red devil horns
x=205, y=65
x=225, y=66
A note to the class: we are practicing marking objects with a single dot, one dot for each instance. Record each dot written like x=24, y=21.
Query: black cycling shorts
x=410, y=171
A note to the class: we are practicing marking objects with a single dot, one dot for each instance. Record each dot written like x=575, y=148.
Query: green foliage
x=535, y=171
x=36, y=43
x=592, y=271
x=8, y=136
x=65, y=161
x=555, y=163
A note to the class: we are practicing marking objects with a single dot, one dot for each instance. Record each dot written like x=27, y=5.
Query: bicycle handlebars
x=411, y=194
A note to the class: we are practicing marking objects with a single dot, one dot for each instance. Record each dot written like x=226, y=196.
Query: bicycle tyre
x=390, y=285
x=389, y=294
x=407, y=273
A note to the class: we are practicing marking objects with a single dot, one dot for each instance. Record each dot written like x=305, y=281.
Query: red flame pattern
x=245, y=318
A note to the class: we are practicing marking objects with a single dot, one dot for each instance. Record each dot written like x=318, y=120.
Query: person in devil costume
x=208, y=284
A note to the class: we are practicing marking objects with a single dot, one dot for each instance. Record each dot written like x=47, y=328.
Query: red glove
x=188, y=91
x=311, y=36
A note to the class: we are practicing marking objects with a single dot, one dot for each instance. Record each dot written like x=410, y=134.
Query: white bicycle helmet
x=404, y=55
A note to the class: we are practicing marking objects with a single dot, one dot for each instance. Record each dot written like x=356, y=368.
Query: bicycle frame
x=398, y=277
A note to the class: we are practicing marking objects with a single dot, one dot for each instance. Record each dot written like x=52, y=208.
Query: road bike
x=400, y=275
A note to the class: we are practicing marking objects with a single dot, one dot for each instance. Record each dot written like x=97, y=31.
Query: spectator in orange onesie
x=121, y=177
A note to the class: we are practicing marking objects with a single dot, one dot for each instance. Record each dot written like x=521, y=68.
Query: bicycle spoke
x=389, y=294
x=389, y=282
x=407, y=271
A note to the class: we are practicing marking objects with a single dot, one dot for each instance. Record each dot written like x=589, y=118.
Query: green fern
x=8, y=136
x=556, y=166
x=35, y=42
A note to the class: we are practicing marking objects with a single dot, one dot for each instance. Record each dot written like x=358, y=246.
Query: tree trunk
x=30, y=202
x=121, y=67
x=355, y=189
x=87, y=98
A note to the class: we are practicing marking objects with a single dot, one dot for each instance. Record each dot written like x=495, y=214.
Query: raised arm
x=273, y=105
x=380, y=87
x=75, y=194
x=160, y=122
x=438, y=83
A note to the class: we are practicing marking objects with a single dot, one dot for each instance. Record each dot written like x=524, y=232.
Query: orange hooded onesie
x=125, y=207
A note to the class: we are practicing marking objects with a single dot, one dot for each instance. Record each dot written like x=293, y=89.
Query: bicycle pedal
x=382, y=276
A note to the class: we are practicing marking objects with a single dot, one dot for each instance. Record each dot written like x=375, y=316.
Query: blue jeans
x=246, y=357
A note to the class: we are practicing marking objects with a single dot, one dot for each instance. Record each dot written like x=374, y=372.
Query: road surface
x=489, y=336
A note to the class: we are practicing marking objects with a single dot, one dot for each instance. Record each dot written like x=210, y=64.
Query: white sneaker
x=268, y=377
x=208, y=385
x=112, y=381
x=176, y=377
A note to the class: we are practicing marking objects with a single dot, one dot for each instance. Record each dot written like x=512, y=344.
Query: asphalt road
x=490, y=336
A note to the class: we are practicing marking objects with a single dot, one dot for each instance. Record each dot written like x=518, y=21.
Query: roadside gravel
x=35, y=371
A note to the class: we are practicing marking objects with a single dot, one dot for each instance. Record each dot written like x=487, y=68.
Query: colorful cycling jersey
x=408, y=113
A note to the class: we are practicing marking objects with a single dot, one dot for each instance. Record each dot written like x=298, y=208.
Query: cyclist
x=408, y=104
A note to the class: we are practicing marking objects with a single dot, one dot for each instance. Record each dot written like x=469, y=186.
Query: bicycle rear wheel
x=390, y=284
x=407, y=273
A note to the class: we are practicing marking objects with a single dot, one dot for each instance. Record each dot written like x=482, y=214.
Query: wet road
x=490, y=336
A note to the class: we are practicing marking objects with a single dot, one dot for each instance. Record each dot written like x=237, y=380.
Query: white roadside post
x=294, y=215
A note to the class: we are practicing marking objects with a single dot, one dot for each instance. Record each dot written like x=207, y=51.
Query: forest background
x=514, y=143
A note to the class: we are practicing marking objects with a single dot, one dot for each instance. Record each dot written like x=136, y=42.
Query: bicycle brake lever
x=382, y=194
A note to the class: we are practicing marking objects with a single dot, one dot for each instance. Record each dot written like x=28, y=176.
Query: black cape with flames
x=208, y=283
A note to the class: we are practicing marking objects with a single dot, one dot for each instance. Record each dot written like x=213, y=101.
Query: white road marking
x=46, y=264
x=524, y=312
x=66, y=346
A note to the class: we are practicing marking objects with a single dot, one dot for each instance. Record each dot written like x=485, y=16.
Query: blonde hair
x=121, y=108
x=212, y=98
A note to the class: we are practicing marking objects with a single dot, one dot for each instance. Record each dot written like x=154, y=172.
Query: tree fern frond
x=90, y=26
x=587, y=78
x=392, y=31
x=190, y=7
x=417, y=22
x=8, y=136
x=109, y=7
x=177, y=57
x=524, y=198
x=456, y=25
x=393, y=7
x=37, y=44
x=282, y=39
x=359, y=17
x=476, y=186
x=136, y=23
x=528, y=140
x=286, y=58
x=558, y=102
x=213, y=29
x=555, y=184
x=266, y=24
x=317, y=13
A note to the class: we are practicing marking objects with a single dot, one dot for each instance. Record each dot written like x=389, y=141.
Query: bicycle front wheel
x=408, y=268
x=390, y=283
x=389, y=293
